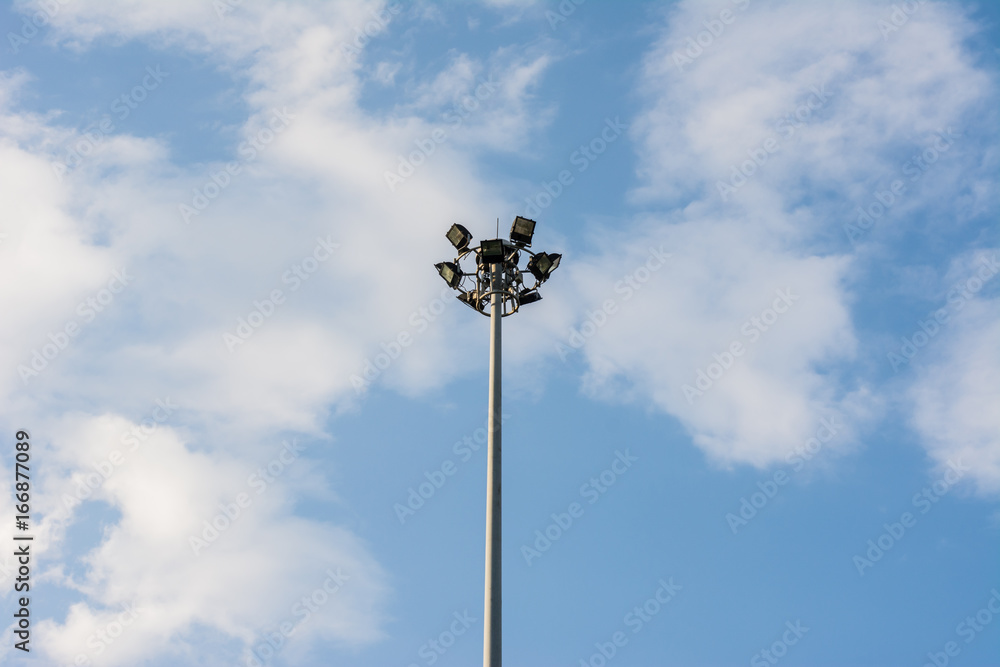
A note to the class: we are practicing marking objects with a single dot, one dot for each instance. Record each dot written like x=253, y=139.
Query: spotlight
x=492, y=252
x=459, y=237
x=522, y=230
x=498, y=289
x=528, y=296
x=450, y=272
x=543, y=264
x=470, y=299
x=555, y=258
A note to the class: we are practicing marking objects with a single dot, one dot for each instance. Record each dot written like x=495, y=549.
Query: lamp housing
x=459, y=236
x=450, y=272
x=492, y=251
x=522, y=230
x=528, y=296
x=470, y=299
x=543, y=264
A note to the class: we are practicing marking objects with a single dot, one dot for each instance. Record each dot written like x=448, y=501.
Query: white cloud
x=725, y=283
x=321, y=177
x=244, y=579
x=861, y=102
x=329, y=140
x=955, y=394
x=876, y=98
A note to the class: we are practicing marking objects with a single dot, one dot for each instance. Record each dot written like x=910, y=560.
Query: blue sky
x=755, y=419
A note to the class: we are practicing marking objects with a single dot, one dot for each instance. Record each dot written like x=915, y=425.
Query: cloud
x=841, y=104
x=174, y=226
x=669, y=335
x=300, y=207
x=307, y=211
x=766, y=125
x=954, y=393
x=202, y=541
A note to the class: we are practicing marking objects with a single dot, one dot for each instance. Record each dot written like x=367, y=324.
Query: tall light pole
x=496, y=288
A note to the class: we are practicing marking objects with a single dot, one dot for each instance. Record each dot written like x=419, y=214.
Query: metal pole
x=492, y=613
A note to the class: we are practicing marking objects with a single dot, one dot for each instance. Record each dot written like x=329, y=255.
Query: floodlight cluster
x=504, y=256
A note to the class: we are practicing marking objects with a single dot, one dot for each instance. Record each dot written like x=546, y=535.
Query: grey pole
x=492, y=612
x=496, y=263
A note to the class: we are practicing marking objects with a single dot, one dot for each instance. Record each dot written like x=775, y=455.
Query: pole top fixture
x=504, y=255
